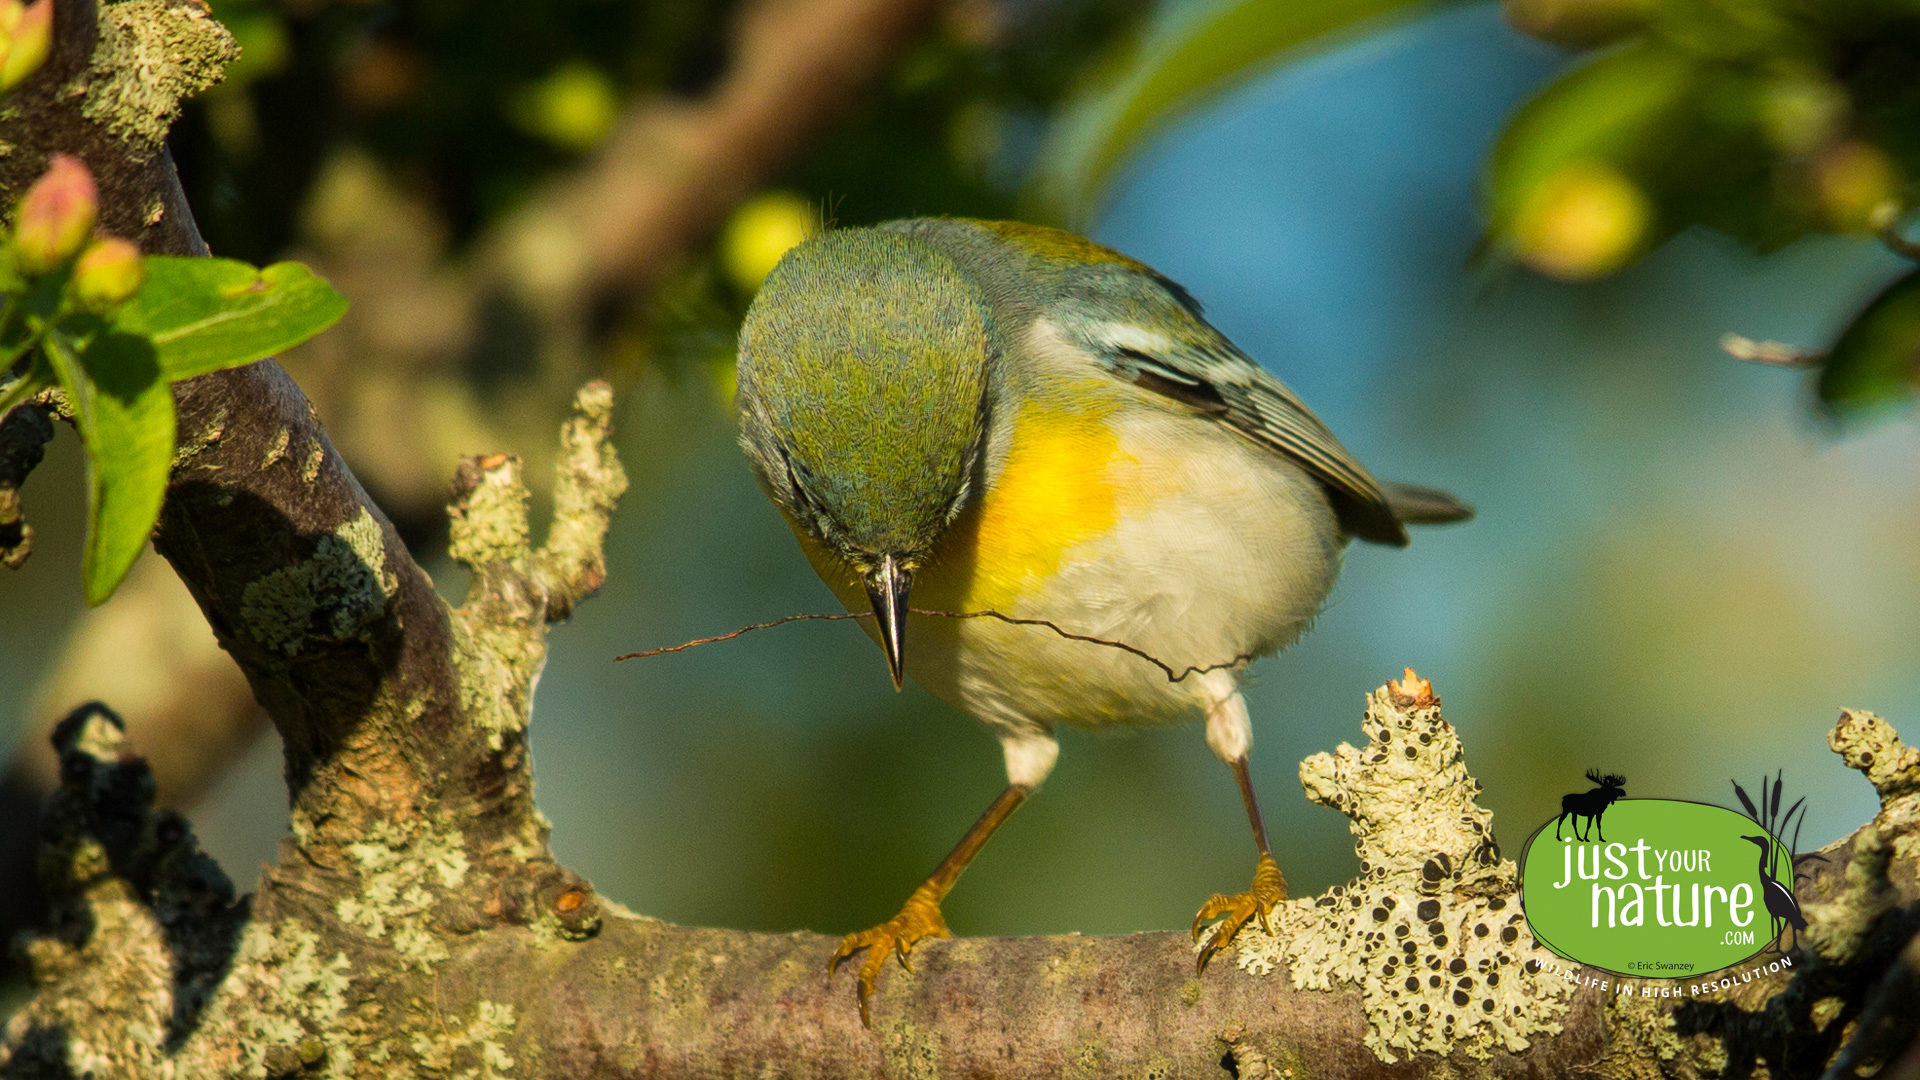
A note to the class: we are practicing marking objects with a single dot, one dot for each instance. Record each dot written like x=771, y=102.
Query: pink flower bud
x=108, y=274
x=27, y=31
x=56, y=216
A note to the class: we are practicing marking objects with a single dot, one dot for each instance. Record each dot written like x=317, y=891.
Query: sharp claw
x=920, y=918
x=1233, y=913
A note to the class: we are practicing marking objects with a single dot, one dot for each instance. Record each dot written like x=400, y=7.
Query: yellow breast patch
x=1055, y=490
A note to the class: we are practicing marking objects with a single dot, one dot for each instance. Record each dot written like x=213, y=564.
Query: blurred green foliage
x=1147, y=82
x=479, y=102
x=1766, y=120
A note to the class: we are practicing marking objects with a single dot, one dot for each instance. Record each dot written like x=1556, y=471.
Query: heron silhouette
x=1779, y=899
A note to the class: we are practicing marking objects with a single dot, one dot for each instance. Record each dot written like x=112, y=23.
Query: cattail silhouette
x=1778, y=898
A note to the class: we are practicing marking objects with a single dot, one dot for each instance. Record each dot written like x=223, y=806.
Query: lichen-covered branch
x=400, y=967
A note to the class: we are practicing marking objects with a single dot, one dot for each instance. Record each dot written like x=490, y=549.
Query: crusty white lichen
x=403, y=872
x=334, y=595
x=286, y=988
x=110, y=997
x=485, y=1036
x=1430, y=932
x=1871, y=745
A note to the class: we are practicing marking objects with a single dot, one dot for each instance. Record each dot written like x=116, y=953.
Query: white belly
x=1222, y=552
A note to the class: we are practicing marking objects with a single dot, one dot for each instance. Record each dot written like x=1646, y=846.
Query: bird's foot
x=1231, y=913
x=919, y=918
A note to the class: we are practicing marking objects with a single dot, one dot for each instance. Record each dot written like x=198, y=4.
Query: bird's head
x=863, y=374
x=1765, y=844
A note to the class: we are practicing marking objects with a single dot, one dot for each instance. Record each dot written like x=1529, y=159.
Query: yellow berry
x=762, y=230
x=1586, y=220
x=1854, y=181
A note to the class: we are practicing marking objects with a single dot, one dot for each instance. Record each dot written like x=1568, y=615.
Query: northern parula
x=968, y=416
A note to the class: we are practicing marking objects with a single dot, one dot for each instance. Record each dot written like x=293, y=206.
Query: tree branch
x=670, y=170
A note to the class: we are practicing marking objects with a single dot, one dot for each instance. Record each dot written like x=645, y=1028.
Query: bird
x=1781, y=905
x=960, y=417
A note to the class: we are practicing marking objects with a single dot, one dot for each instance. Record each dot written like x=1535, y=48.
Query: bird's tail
x=1416, y=505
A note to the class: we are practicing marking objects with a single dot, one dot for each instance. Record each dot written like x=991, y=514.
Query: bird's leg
x=920, y=916
x=1231, y=736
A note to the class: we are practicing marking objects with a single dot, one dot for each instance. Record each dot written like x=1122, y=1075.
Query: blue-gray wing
x=1145, y=328
x=1217, y=379
x=1158, y=340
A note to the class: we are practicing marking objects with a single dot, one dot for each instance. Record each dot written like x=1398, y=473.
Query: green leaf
x=123, y=407
x=1876, y=362
x=207, y=314
x=1149, y=83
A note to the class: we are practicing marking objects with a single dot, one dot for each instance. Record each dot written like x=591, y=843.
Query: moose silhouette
x=1590, y=804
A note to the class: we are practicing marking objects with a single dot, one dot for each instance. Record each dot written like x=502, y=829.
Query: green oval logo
x=1656, y=888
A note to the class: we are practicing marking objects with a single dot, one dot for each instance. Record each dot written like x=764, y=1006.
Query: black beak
x=887, y=589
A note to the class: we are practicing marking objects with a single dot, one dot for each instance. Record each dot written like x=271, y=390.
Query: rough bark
x=415, y=923
x=394, y=378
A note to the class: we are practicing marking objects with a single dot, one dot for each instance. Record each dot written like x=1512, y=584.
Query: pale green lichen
x=1871, y=745
x=499, y=650
x=403, y=873
x=1838, y=928
x=1429, y=933
x=152, y=55
x=277, y=449
x=285, y=988
x=1645, y=1041
x=340, y=590
x=490, y=523
x=484, y=1038
x=111, y=998
x=316, y=454
x=100, y=738
x=499, y=667
x=194, y=443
